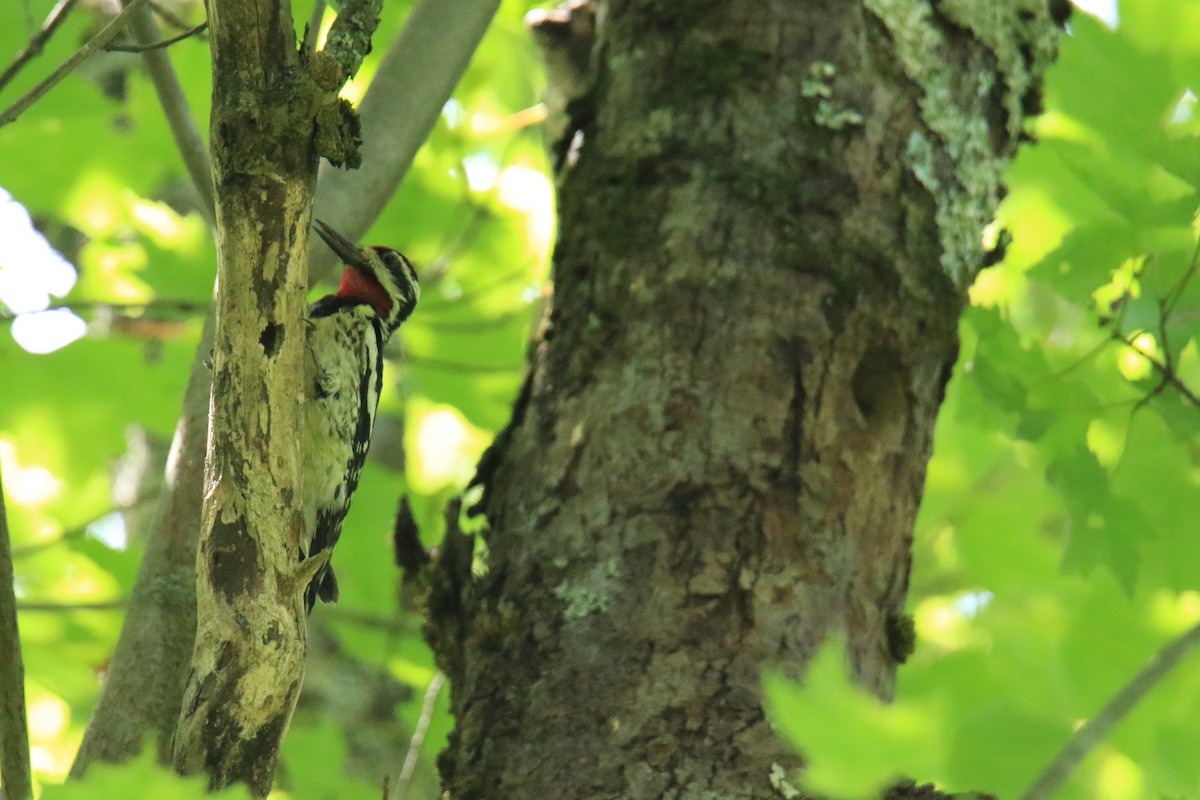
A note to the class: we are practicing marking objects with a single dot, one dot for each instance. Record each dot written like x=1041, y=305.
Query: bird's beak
x=348, y=251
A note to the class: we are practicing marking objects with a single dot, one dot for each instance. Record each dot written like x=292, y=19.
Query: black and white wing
x=344, y=372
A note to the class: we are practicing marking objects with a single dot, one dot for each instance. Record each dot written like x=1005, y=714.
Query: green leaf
x=853, y=744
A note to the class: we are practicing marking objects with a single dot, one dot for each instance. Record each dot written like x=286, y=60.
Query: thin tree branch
x=1168, y=305
x=73, y=533
x=1166, y=375
x=106, y=35
x=159, y=45
x=465, y=369
x=482, y=325
x=56, y=17
x=14, y=730
x=348, y=42
x=192, y=147
x=418, y=737
x=396, y=624
x=1098, y=727
x=169, y=16
x=83, y=605
x=189, y=307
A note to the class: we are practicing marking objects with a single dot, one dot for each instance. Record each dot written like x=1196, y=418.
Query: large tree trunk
x=766, y=237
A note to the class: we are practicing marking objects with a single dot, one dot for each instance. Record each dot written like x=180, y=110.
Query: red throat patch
x=361, y=286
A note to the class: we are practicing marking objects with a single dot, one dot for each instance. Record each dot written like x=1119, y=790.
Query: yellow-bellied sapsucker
x=343, y=375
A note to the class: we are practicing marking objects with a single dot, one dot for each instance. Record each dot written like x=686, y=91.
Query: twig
x=1173, y=296
x=106, y=35
x=182, y=306
x=83, y=606
x=187, y=137
x=483, y=325
x=478, y=290
x=159, y=45
x=1095, y=729
x=14, y=730
x=418, y=737
x=363, y=619
x=1166, y=375
x=169, y=16
x=466, y=369
x=55, y=18
x=96, y=605
x=78, y=531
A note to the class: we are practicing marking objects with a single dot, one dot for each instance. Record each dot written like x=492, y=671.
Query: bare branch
x=142, y=692
x=187, y=137
x=414, y=80
x=188, y=307
x=464, y=369
x=159, y=45
x=418, y=737
x=1095, y=729
x=78, y=532
x=83, y=605
x=14, y=730
x=169, y=16
x=106, y=35
x=55, y=18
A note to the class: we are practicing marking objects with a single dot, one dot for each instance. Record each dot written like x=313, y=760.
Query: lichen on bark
x=722, y=445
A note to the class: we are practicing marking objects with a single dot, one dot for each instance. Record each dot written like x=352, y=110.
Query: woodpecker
x=343, y=375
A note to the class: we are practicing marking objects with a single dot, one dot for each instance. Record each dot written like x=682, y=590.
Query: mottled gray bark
x=766, y=237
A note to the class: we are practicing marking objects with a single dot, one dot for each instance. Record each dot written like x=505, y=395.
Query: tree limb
x=160, y=44
x=1098, y=727
x=106, y=35
x=14, y=730
x=56, y=17
x=179, y=116
x=414, y=80
x=142, y=693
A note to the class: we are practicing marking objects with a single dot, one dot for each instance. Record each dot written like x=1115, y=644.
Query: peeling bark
x=766, y=237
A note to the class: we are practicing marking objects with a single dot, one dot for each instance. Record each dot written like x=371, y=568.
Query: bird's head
x=379, y=276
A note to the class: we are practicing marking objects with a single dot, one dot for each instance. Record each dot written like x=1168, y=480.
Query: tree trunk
x=769, y=217
x=273, y=117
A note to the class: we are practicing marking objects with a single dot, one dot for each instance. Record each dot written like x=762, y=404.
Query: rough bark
x=272, y=118
x=766, y=236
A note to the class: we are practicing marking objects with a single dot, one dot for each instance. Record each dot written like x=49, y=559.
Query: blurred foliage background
x=1057, y=548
